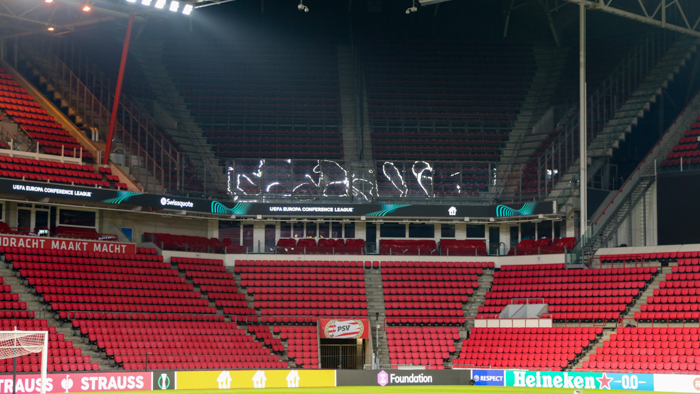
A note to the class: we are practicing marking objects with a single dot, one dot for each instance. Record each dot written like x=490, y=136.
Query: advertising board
x=582, y=380
x=254, y=379
x=391, y=377
x=487, y=377
x=78, y=382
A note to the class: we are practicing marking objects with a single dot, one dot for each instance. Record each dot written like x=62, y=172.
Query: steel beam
x=644, y=17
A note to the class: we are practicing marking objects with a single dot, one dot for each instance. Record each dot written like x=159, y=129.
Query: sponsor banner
x=252, y=379
x=78, y=245
x=78, y=382
x=677, y=383
x=413, y=377
x=344, y=328
x=159, y=202
x=164, y=380
x=583, y=380
x=487, y=377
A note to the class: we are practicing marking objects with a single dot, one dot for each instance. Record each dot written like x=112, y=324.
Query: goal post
x=15, y=344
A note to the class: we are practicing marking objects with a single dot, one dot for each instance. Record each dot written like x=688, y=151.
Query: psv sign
x=77, y=245
x=344, y=328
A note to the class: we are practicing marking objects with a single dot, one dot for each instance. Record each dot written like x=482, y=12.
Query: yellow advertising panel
x=254, y=379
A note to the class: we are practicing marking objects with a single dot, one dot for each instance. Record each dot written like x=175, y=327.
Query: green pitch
x=393, y=390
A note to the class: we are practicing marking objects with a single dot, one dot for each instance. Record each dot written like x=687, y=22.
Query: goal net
x=22, y=343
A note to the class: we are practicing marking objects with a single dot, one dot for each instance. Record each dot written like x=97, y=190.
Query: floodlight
x=302, y=7
x=174, y=5
x=49, y=1
x=187, y=9
x=160, y=4
x=131, y=1
x=86, y=8
x=51, y=28
x=146, y=2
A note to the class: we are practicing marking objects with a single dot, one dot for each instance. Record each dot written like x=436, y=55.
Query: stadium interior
x=219, y=184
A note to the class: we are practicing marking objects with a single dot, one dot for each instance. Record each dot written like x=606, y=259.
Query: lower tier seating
x=430, y=346
x=648, y=350
x=551, y=349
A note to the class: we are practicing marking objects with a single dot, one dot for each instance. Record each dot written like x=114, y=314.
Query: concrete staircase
x=375, y=305
x=592, y=348
x=647, y=292
x=535, y=120
x=615, y=130
x=189, y=136
x=34, y=303
x=347, y=72
x=471, y=308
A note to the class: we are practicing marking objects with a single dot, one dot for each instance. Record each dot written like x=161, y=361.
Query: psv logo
x=347, y=329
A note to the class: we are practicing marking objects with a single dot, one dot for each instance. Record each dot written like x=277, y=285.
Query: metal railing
x=144, y=146
x=603, y=104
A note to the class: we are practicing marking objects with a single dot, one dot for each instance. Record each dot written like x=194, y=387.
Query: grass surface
x=392, y=390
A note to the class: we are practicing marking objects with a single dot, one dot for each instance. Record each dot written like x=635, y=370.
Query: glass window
x=527, y=230
x=447, y=231
x=371, y=237
x=392, y=230
x=231, y=230
x=298, y=230
x=476, y=231
x=557, y=229
x=418, y=230
x=270, y=238
x=337, y=230
x=248, y=240
x=514, y=234
x=349, y=230
x=324, y=230
x=494, y=240
x=311, y=230
x=285, y=230
x=544, y=229
x=71, y=217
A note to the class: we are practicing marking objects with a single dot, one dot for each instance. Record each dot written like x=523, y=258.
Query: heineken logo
x=584, y=380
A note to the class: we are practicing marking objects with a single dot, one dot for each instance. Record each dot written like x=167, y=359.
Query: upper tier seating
x=450, y=101
x=407, y=247
x=56, y=172
x=648, y=350
x=21, y=108
x=325, y=246
x=422, y=345
x=686, y=149
x=282, y=101
x=211, y=277
x=304, y=288
x=572, y=294
x=466, y=247
x=186, y=243
x=552, y=349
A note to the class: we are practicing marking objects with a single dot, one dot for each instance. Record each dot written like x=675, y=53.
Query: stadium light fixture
x=187, y=9
x=51, y=28
x=146, y=2
x=131, y=1
x=411, y=9
x=160, y=4
x=302, y=7
x=86, y=8
x=49, y=1
x=174, y=5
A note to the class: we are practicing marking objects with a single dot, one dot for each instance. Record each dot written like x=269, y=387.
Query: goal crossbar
x=21, y=343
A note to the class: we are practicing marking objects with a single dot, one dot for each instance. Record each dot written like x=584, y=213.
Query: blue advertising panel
x=487, y=377
x=630, y=381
